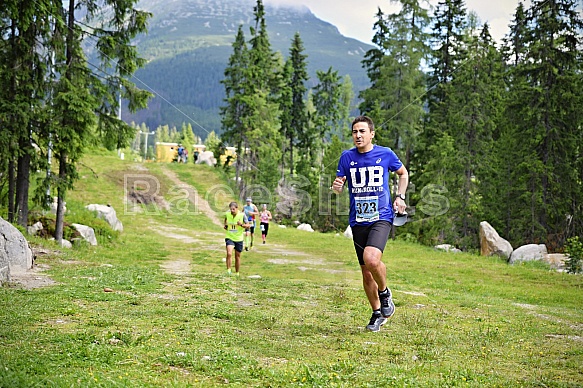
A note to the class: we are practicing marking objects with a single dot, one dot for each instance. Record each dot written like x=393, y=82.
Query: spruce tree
x=85, y=103
x=398, y=82
x=546, y=112
x=236, y=81
x=474, y=108
x=299, y=129
x=327, y=95
x=448, y=38
x=25, y=27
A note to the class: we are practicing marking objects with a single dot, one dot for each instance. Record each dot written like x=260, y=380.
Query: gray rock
x=529, y=252
x=447, y=248
x=15, y=253
x=305, y=227
x=35, y=228
x=108, y=214
x=556, y=260
x=87, y=233
x=66, y=244
x=492, y=244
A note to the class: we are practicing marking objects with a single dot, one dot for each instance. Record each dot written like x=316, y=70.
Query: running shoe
x=376, y=321
x=387, y=305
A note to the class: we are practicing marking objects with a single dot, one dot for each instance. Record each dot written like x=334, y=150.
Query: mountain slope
x=189, y=43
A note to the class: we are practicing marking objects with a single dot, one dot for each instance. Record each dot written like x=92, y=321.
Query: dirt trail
x=201, y=204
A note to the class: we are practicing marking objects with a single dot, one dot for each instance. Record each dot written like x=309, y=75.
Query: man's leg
x=237, y=262
x=371, y=288
x=372, y=260
x=247, y=233
x=378, y=271
x=229, y=256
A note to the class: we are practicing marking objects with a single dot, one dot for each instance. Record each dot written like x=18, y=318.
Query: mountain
x=188, y=45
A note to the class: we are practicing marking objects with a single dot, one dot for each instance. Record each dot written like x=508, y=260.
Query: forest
x=488, y=131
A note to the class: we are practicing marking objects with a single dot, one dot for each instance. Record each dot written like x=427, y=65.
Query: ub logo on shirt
x=375, y=176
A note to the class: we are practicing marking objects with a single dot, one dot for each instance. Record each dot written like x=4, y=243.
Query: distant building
x=166, y=152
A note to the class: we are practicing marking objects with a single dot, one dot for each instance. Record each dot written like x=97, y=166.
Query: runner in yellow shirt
x=235, y=223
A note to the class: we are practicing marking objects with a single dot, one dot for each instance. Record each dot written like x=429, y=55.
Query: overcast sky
x=355, y=18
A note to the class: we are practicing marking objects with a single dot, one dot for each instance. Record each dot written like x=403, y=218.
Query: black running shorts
x=373, y=235
x=237, y=244
x=264, y=227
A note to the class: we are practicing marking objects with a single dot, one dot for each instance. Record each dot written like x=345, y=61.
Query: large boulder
x=491, y=243
x=107, y=213
x=305, y=227
x=528, y=252
x=447, y=248
x=87, y=233
x=35, y=228
x=556, y=260
x=15, y=254
x=206, y=157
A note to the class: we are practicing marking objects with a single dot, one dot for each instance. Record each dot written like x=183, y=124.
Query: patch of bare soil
x=202, y=205
x=176, y=267
x=33, y=278
x=145, y=198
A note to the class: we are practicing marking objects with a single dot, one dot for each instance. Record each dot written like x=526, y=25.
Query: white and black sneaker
x=387, y=305
x=376, y=321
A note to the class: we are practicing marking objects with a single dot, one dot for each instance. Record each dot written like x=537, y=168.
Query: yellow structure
x=166, y=152
x=229, y=151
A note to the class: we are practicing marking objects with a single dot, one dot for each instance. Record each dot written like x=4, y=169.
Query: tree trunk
x=11, y=190
x=291, y=155
x=22, y=185
x=60, y=199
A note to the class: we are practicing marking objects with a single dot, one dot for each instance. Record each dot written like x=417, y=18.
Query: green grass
x=174, y=320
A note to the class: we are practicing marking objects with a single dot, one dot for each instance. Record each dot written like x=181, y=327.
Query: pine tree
x=546, y=112
x=22, y=89
x=474, y=107
x=398, y=83
x=187, y=137
x=236, y=82
x=80, y=93
x=448, y=37
x=327, y=100
x=299, y=129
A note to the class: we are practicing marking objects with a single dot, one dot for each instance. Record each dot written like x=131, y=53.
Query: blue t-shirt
x=248, y=209
x=367, y=175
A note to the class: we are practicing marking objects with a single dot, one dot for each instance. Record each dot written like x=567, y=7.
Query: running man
x=235, y=223
x=250, y=211
x=366, y=168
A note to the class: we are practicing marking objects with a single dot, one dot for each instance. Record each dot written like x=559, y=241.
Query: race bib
x=367, y=209
x=262, y=228
x=233, y=228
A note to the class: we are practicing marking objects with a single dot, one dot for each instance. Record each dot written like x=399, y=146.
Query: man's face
x=234, y=210
x=362, y=136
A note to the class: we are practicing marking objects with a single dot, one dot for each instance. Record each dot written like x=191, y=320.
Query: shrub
x=574, y=250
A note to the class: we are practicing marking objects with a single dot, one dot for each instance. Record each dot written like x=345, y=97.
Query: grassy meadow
x=295, y=318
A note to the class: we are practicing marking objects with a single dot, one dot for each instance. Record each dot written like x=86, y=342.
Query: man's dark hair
x=363, y=119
